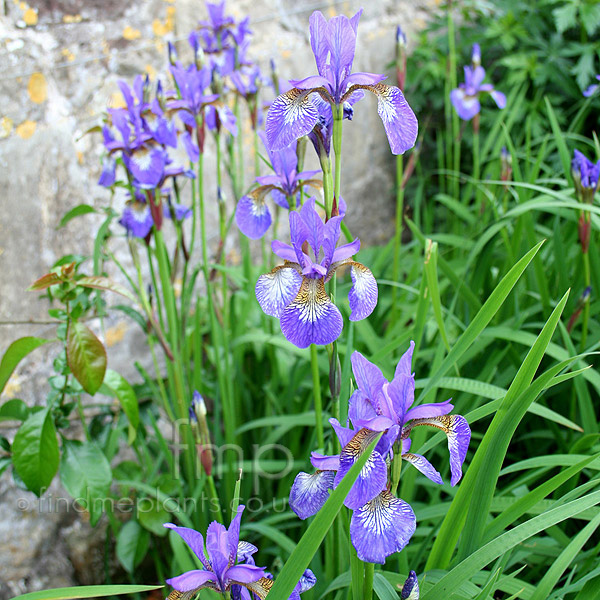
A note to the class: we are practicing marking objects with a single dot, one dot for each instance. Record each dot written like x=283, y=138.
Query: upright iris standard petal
x=372, y=478
x=275, y=290
x=369, y=378
x=291, y=116
x=252, y=216
x=311, y=318
x=310, y=492
x=193, y=539
x=217, y=546
x=381, y=527
x=363, y=293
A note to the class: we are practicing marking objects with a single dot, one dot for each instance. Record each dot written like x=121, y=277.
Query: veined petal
x=410, y=589
x=363, y=293
x=233, y=534
x=308, y=83
x=381, y=527
x=310, y=492
x=401, y=392
x=275, y=290
x=404, y=366
x=318, y=35
x=364, y=79
x=193, y=580
x=311, y=317
x=217, y=546
x=290, y=116
x=344, y=434
x=341, y=41
x=252, y=216
x=243, y=574
x=193, y=539
x=322, y=462
x=284, y=251
x=245, y=550
x=369, y=377
x=423, y=465
x=372, y=478
x=261, y=587
x=423, y=411
x=360, y=409
x=459, y=435
x=346, y=251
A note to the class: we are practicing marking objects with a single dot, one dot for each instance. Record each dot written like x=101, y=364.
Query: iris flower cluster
x=295, y=291
x=227, y=565
x=465, y=98
x=381, y=524
x=586, y=175
x=309, y=103
x=284, y=186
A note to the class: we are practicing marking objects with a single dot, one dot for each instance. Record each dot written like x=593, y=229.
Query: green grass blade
x=482, y=318
x=500, y=433
x=559, y=138
x=492, y=550
x=431, y=254
x=86, y=591
x=311, y=540
x=566, y=557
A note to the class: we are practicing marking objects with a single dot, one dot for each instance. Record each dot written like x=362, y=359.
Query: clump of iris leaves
x=486, y=269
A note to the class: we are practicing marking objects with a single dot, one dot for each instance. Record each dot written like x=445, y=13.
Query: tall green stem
x=368, y=581
x=398, y=232
x=317, y=394
x=586, y=304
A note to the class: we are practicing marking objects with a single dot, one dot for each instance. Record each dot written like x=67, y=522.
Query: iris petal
x=363, y=293
x=261, y=587
x=410, y=589
x=404, y=364
x=275, y=290
x=466, y=106
x=290, y=116
x=311, y=318
x=499, y=98
x=310, y=492
x=243, y=574
x=423, y=465
x=217, y=546
x=381, y=527
x=372, y=478
x=192, y=580
x=459, y=435
x=252, y=216
x=193, y=539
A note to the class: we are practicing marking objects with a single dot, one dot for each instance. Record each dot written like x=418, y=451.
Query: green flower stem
x=586, y=305
x=317, y=394
x=338, y=116
x=357, y=571
x=396, y=469
x=477, y=167
x=215, y=503
x=368, y=581
x=398, y=233
x=176, y=366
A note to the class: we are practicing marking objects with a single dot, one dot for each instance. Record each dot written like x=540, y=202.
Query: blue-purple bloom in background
x=592, y=88
x=295, y=113
x=586, y=175
x=381, y=523
x=252, y=214
x=229, y=566
x=465, y=98
x=295, y=291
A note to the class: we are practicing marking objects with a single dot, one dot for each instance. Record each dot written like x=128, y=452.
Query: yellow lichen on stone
x=72, y=18
x=12, y=387
x=116, y=100
x=151, y=71
x=68, y=54
x=26, y=129
x=30, y=17
x=37, y=88
x=6, y=126
x=115, y=334
x=159, y=28
x=129, y=33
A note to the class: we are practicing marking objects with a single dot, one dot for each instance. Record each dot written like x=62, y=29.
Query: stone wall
x=60, y=61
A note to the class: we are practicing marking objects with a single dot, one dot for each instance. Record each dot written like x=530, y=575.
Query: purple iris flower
x=381, y=523
x=229, y=566
x=465, y=98
x=109, y=171
x=295, y=113
x=192, y=84
x=592, y=88
x=222, y=568
x=410, y=589
x=586, y=175
x=252, y=214
x=295, y=291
